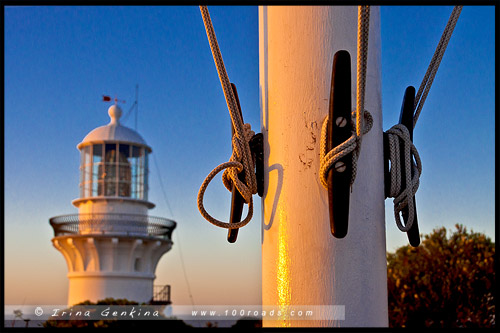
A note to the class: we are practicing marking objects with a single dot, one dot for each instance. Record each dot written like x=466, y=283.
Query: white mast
x=302, y=263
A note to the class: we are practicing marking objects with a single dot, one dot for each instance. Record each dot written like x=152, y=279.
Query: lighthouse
x=112, y=246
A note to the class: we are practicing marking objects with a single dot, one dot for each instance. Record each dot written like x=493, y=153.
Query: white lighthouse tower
x=112, y=246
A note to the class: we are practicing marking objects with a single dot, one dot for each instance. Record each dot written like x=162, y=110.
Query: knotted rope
x=328, y=159
x=241, y=159
x=363, y=119
x=403, y=197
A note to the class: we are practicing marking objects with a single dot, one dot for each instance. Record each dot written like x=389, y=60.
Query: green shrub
x=444, y=282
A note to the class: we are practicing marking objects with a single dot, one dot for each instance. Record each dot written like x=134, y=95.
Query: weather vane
x=106, y=98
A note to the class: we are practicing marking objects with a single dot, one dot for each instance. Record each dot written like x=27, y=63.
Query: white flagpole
x=302, y=263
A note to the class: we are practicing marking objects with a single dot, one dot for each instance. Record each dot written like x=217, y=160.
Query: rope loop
x=403, y=196
x=230, y=177
x=226, y=165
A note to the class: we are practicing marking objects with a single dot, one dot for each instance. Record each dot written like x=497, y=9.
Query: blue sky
x=59, y=61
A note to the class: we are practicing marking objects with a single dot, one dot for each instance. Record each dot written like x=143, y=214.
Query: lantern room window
x=114, y=170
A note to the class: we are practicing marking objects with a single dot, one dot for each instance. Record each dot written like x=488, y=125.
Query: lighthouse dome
x=114, y=131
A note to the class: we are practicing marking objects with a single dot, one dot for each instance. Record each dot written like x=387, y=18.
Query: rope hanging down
x=403, y=196
x=241, y=158
x=363, y=119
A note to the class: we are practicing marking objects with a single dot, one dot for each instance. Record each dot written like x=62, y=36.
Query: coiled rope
x=241, y=158
x=403, y=197
x=363, y=119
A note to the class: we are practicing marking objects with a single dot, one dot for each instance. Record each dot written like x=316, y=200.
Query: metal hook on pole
x=338, y=131
x=406, y=120
x=237, y=200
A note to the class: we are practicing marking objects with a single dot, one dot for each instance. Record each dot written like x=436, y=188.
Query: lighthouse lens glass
x=97, y=170
x=145, y=176
x=114, y=169
x=124, y=170
x=85, y=169
x=110, y=172
x=134, y=164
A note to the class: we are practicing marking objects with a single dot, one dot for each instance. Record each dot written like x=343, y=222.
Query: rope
x=435, y=61
x=241, y=158
x=403, y=196
x=363, y=119
x=397, y=133
x=329, y=158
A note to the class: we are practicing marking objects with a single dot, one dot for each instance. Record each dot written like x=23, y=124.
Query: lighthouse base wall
x=98, y=287
x=107, y=266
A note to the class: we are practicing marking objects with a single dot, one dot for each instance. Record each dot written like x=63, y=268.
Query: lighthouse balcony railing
x=112, y=224
x=161, y=295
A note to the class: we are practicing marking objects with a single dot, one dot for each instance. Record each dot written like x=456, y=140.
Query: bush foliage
x=444, y=282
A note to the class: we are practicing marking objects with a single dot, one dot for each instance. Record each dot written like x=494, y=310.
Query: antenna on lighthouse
x=136, y=104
